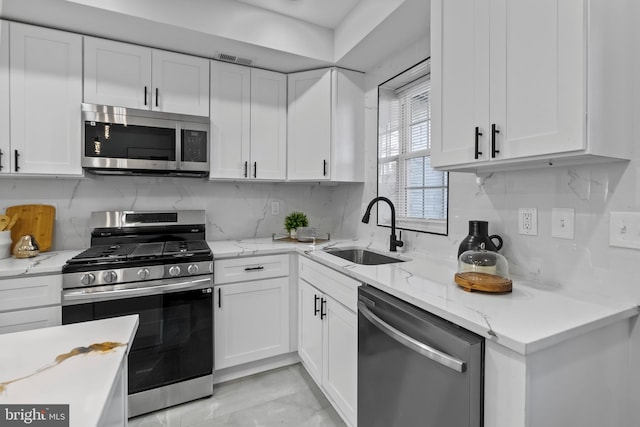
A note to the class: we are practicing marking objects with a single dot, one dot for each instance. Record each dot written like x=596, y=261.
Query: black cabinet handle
x=145, y=95
x=315, y=305
x=15, y=158
x=323, y=305
x=324, y=168
x=255, y=169
x=1, y=160
x=156, y=97
x=219, y=297
x=246, y=166
x=254, y=268
x=478, y=135
x=494, y=131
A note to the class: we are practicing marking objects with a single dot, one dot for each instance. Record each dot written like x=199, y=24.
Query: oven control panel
x=136, y=274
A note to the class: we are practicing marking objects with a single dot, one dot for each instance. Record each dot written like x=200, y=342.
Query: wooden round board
x=483, y=282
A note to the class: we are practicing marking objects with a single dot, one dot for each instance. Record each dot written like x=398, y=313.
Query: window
x=419, y=193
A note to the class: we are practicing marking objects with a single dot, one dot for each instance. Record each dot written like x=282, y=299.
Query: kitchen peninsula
x=83, y=365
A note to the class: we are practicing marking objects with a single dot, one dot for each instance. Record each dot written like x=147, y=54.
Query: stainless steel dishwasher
x=414, y=368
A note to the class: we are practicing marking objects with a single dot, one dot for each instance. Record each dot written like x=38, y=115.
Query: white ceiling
x=280, y=35
x=325, y=13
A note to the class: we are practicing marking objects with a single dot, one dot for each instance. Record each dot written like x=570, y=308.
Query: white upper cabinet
x=45, y=71
x=268, y=125
x=526, y=82
x=180, y=83
x=248, y=123
x=325, y=126
x=117, y=74
x=126, y=75
x=230, y=120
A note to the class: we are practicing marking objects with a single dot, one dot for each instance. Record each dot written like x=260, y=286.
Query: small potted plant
x=293, y=221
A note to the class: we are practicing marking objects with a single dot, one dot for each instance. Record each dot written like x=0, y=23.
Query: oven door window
x=117, y=141
x=174, y=341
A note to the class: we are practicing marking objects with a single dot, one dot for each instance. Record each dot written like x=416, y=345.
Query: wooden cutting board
x=37, y=220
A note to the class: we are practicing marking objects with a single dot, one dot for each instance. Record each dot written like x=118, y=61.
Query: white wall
x=234, y=210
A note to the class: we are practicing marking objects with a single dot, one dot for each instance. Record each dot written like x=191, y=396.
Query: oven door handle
x=411, y=343
x=131, y=290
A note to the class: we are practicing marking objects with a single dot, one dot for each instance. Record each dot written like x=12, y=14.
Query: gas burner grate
x=185, y=247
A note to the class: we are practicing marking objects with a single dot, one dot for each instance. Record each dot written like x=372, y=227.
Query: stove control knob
x=143, y=273
x=88, y=279
x=174, y=270
x=193, y=269
x=110, y=276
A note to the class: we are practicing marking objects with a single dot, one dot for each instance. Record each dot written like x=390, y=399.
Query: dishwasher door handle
x=411, y=343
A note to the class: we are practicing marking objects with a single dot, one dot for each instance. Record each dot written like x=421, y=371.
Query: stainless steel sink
x=363, y=256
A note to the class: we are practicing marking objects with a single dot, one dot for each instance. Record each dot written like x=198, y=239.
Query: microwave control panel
x=194, y=146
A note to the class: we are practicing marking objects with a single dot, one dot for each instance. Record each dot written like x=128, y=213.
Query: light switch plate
x=528, y=221
x=563, y=223
x=275, y=207
x=624, y=229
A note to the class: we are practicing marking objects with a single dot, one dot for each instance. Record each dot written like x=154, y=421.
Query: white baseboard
x=235, y=372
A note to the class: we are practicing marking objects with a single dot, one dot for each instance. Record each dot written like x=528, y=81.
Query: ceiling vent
x=232, y=58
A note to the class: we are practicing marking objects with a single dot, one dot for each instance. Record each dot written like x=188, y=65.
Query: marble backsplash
x=234, y=210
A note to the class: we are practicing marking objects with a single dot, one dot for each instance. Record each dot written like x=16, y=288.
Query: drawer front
x=35, y=318
x=250, y=268
x=29, y=292
x=340, y=287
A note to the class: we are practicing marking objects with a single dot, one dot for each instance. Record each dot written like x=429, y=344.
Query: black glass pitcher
x=479, y=233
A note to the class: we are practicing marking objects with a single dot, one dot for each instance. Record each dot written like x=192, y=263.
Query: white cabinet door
x=538, y=78
x=251, y=321
x=117, y=74
x=230, y=120
x=310, y=346
x=5, y=147
x=180, y=83
x=45, y=69
x=460, y=77
x=309, y=125
x=268, y=125
x=340, y=370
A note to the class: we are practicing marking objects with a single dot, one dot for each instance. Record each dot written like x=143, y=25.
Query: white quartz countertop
x=29, y=373
x=43, y=263
x=530, y=318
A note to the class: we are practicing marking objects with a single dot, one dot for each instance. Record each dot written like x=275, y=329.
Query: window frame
x=436, y=227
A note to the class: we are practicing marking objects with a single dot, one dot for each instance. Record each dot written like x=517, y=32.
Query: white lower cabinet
x=251, y=316
x=30, y=303
x=328, y=334
x=35, y=318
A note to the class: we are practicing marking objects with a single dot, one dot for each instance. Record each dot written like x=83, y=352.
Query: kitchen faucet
x=393, y=242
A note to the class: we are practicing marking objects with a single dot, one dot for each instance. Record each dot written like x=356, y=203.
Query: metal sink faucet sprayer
x=393, y=242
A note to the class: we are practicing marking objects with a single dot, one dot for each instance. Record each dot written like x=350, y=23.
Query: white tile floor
x=284, y=397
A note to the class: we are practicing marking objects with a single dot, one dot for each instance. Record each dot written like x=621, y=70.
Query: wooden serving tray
x=483, y=282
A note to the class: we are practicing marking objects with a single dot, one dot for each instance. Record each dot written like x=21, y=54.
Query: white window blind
x=419, y=193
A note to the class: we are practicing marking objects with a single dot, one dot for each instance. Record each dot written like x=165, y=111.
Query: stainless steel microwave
x=127, y=141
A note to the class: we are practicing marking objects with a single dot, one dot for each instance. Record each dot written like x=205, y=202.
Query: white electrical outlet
x=528, y=221
x=562, y=223
x=624, y=229
x=275, y=207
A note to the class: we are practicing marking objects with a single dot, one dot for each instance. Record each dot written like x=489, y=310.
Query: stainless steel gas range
x=158, y=265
